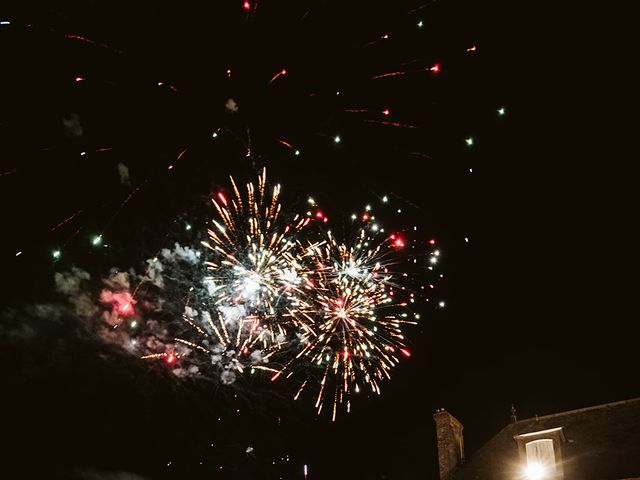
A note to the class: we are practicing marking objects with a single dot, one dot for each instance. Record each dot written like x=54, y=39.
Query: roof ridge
x=583, y=409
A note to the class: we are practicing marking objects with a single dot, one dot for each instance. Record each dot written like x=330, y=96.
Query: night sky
x=539, y=300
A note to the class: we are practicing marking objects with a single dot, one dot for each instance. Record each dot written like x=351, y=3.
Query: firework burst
x=254, y=293
x=356, y=336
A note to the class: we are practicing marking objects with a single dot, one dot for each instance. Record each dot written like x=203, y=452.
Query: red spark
x=472, y=49
x=319, y=214
x=275, y=376
x=222, y=198
x=283, y=72
x=246, y=5
x=365, y=217
x=171, y=358
x=432, y=241
x=397, y=241
x=386, y=112
x=405, y=352
x=435, y=68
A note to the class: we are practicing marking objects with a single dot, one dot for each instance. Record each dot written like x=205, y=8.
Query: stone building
x=595, y=443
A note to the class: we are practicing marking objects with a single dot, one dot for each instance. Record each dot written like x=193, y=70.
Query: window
x=540, y=454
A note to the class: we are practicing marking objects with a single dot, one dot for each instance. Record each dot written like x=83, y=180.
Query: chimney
x=450, y=443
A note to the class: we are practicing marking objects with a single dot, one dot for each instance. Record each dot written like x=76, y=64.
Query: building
x=595, y=443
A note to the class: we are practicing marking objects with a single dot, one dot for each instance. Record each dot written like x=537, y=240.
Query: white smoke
x=123, y=172
x=71, y=284
x=179, y=252
x=154, y=272
x=231, y=106
x=117, y=280
x=227, y=377
x=72, y=126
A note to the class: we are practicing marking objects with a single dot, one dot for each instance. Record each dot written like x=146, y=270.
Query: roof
x=602, y=443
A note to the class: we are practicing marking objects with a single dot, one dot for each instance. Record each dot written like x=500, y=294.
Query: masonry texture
x=450, y=443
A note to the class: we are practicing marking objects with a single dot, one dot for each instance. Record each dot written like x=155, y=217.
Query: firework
x=356, y=337
x=255, y=290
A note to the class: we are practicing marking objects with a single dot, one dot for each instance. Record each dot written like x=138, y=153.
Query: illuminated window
x=540, y=454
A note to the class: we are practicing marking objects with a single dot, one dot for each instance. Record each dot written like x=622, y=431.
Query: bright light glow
x=56, y=254
x=535, y=471
x=420, y=24
x=251, y=285
x=297, y=152
x=385, y=199
x=337, y=139
x=435, y=68
x=386, y=112
x=246, y=6
x=215, y=135
x=469, y=141
x=97, y=240
x=187, y=227
x=501, y=111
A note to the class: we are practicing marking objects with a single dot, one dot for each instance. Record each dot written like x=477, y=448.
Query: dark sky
x=539, y=302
